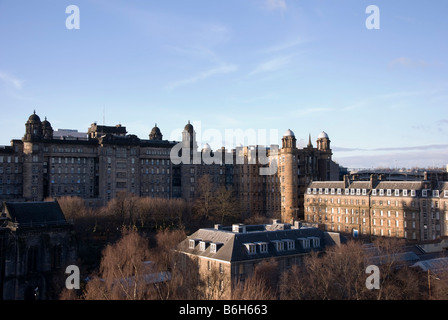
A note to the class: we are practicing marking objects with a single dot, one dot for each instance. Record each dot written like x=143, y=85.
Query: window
x=203, y=245
x=304, y=242
x=290, y=245
x=435, y=193
x=412, y=193
x=381, y=192
x=374, y=192
x=397, y=192
x=278, y=245
x=262, y=247
x=364, y=192
x=424, y=193
x=389, y=192
x=405, y=193
x=316, y=242
x=250, y=247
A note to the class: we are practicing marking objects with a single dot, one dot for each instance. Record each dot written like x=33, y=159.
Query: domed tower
x=323, y=141
x=324, y=158
x=155, y=134
x=33, y=128
x=47, y=130
x=189, y=138
x=288, y=177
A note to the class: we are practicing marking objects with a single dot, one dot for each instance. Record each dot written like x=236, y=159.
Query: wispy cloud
x=223, y=69
x=10, y=80
x=288, y=44
x=271, y=65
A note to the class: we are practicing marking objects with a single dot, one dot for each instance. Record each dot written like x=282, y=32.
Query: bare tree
x=261, y=285
x=203, y=206
x=226, y=206
x=122, y=273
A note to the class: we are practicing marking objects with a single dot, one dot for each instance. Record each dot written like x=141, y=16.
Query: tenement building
x=223, y=257
x=413, y=210
x=107, y=160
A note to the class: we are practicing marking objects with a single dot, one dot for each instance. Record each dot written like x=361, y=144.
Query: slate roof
x=232, y=245
x=30, y=214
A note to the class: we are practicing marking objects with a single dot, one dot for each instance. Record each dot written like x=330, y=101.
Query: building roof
x=323, y=135
x=232, y=245
x=437, y=264
x=29, y=214
x=289, y=133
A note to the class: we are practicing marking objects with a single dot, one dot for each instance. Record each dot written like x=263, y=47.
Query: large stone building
x=107, y=160
x=223, y=257
x=413, y=210
x=36, y=245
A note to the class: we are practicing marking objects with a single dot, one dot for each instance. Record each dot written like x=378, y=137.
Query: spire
x=310, y=145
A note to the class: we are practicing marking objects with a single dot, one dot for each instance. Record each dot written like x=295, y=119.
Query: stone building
x=226, y=256
x=413, y=210
x=107, y=161
x=36, y=245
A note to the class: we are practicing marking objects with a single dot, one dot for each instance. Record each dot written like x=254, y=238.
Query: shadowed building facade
x=107, y=161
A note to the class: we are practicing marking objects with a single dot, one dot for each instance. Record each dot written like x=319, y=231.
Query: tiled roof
x=233, y=246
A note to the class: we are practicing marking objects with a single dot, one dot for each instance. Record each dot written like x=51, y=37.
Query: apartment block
x=413, y=210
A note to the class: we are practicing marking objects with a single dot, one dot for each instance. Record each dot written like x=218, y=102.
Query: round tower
x=323, y=141
x=288, y=177
x=47, y=130
x=33, y=128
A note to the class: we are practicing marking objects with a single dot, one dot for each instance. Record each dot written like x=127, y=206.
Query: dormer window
x=304, y=243
x=262, y=247
x=278, y=245
x=289, y=244
x=192, y=243
x=251, y=248
x=214, y=247
x=203, y=245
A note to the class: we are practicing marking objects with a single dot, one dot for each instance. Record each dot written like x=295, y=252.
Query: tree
x=203, y=206
x=122, y=270
x=261, y=285
x=225, y=206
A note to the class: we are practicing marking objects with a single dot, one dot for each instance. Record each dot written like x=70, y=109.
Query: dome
x=323, y=135
x=289, y=133
x=189, y=127
x=34, y=117
x=155, y=134
x=46, y=123
x=156, y=130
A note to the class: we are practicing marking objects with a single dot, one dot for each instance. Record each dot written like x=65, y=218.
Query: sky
x=260, y=66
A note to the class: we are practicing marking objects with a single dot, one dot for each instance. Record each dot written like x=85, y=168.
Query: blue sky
x=308, y=65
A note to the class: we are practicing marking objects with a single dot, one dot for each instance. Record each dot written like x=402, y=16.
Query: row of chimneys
x=241, y=228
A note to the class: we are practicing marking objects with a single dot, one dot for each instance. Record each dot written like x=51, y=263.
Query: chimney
x=373, y=180
x=238, y=228
x=297, y=224
x=218, y=226
x=346, y=181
